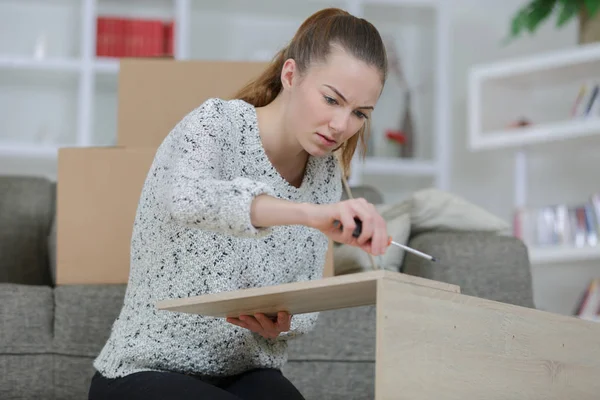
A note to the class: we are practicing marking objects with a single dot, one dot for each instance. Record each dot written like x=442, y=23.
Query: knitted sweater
x=192, y=235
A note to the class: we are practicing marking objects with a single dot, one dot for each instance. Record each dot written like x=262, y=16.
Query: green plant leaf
x=529, y=17
x=568, y=10
x=538, y=12
x=518, y=22
x=592, y=6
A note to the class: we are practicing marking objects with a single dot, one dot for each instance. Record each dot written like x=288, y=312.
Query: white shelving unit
x=505, y=90
x=59, y=47
x=562, y=254
x=30, y=64
x=543, y=89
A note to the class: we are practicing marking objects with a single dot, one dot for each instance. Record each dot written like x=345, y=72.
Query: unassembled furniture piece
x=434, y=342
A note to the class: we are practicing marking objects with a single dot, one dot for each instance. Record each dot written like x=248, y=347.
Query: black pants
x=263, y=384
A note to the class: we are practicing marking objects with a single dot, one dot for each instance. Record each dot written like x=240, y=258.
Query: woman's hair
x=313, y=43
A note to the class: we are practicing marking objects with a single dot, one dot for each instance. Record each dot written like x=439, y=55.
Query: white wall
x=563, y=172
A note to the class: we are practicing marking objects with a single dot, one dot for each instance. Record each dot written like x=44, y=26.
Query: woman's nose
x=339, y=122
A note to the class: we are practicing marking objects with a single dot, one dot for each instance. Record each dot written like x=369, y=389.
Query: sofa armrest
x=484, y=265
x=27, y=206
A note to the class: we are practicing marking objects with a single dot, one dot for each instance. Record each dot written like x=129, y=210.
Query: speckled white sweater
x=192, y=235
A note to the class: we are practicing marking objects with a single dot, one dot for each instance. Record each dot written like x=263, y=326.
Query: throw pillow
x=433, y=209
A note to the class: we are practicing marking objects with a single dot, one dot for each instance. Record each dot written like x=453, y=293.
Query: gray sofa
x=50, y=335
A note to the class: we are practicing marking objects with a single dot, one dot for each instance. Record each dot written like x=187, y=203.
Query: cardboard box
x=97, y=196
x=99, y=187
x=154, y=95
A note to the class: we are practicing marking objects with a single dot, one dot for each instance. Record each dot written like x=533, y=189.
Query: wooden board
x=330, y=293
x=442, y=345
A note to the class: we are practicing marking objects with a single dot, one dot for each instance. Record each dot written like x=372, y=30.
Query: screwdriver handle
x=358, y=228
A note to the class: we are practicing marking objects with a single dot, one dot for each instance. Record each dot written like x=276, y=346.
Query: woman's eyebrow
x=343, y=98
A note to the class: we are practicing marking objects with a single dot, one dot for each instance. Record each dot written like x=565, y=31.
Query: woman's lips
x=325, y=140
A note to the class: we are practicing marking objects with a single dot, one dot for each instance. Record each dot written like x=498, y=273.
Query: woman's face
x=331, y=101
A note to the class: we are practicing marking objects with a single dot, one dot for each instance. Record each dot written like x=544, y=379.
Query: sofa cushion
x=332, y=340
x=84, y=317
x=434, y=209
x=26, y=376
x=26, y=211
x=26, y=314
x=485, y=265
x=318, y=380
x=72, y=376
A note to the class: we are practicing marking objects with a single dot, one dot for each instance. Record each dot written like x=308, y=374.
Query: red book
x=109, y=37
x=138, y=34
x=154, y=39
x=119, y=43
x=101, y=39
x=127, y=38
x=113, y=36
x=168, y=38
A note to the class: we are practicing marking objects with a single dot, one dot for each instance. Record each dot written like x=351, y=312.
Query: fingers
x=380, y=237
x=263, y=325
x=284, y=321
x=251, y=323
x=384, y=238
x=268, y=326
x=348, y=224
x=364, y=211
x=238, y=322
x=374, y=237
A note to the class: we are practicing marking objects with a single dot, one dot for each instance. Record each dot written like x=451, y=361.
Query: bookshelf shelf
x=561, y=254
x=542, y=133
x=39, y=151
x=105, y=65
x=29, y=63
x=532, y=87
x=155, y=9
x=394, y=166
x=543, y=69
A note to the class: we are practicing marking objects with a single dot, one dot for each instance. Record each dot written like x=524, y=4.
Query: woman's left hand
x=263, y=325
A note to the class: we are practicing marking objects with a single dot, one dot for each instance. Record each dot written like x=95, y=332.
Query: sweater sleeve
x=195, y=194
x=301, y=325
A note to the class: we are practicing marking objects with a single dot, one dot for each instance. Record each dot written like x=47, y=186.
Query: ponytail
x=264, y=89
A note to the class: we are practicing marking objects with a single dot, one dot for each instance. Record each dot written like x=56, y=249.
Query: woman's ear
x=288, y=73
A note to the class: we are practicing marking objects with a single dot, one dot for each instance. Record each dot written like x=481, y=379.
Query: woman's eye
x=330, y=100
x=360, y=115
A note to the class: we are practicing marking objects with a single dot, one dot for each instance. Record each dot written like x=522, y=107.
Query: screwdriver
x=358, y=230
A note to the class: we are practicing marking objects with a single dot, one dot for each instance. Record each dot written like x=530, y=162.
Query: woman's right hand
x=373, y=238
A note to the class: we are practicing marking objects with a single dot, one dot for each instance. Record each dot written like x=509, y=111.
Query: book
x=575, y=225
x=133, y=37
x=587, y=102
x=588, y=307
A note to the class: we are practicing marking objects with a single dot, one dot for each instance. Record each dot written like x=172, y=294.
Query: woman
x=245, y=193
